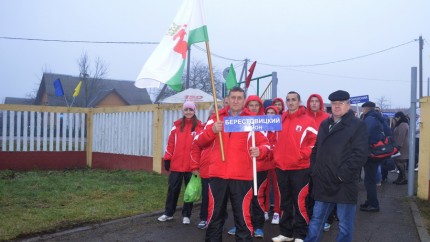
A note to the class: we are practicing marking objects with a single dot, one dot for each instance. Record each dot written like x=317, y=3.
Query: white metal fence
x=129, y=133
x=42, y=131
x=118, y=131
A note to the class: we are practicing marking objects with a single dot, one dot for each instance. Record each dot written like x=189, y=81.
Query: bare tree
x=383, y=103
x=199, y=79
x=91, y=80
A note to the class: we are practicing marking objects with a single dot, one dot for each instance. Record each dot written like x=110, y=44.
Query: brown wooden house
x=107, y=93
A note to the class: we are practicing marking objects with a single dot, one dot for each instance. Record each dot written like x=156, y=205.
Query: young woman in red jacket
x=177, y=160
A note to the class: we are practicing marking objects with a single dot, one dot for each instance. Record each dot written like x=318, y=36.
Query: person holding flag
x=255, y=105
x=231, y=178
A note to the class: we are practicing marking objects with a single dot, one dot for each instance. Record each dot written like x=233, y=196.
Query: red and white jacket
x=179, y=145
x=238, y=163
x=295, y=141
x=319, y=116
x=200, y=158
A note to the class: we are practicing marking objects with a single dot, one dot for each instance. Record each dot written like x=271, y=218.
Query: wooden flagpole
x=214, y=97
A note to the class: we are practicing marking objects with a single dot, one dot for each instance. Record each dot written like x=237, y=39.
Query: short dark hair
x=237, y=89
x=294, y=92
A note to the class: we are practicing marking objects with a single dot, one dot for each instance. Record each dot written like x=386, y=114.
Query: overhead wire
x=342, y=60
x=213, y=54
x=81, y=41
x=204, y=50
x=233, y=59
x=348, y=77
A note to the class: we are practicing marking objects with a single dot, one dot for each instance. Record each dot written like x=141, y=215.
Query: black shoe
x=402, y=182
x=364, y=205
x=369, y=209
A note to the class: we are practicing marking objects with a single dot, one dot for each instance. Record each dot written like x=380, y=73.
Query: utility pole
x=421, y=66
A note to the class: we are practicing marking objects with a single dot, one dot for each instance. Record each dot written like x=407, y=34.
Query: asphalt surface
x=398, y=220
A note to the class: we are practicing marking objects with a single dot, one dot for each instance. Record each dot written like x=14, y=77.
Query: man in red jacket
x=231, y=178
x=316, y=109
x=292, y=159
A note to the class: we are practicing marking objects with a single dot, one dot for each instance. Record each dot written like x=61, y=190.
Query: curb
x=97, y=225
x=421, y=228
x=92, y=226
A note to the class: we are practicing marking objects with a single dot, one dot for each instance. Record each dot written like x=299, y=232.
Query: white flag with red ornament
x=166, y=64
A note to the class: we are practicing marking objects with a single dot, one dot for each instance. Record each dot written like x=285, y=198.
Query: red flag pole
x=214, y=97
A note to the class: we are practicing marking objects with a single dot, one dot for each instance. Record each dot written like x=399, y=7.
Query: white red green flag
x=166, y=64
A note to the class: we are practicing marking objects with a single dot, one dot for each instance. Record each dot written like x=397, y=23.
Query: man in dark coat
x=376, y=126
x=337, y=157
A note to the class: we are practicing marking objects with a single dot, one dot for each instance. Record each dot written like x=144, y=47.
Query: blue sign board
x=388, y=114
x=253, y=123
x=359, y=99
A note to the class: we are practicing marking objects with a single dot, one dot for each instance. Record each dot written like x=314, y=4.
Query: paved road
x=397, y=221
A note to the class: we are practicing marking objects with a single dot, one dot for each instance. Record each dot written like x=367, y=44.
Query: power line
x=204, y=50
x=338, y=61
x=213, y=54
x=348, y=77
x=80, y=41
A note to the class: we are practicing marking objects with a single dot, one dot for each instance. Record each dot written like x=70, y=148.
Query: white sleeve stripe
x=306, y=132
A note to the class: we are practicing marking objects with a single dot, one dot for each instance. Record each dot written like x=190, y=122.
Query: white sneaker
x=298, y=240
x=416, y=169
x=275, y=219
x=266, y=216
x=164, y=218
x=281, y=238
x=186, y=220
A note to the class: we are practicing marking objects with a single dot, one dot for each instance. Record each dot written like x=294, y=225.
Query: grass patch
x=424, y=207
x=46, y=201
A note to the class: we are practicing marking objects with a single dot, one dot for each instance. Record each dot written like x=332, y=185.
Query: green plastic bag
x=193, y=191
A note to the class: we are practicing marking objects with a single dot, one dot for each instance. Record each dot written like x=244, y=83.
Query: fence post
x=90, y=131
x=274, y=85
x=424, y=153
x=158, y=136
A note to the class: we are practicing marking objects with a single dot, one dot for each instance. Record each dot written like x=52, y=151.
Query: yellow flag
x=77, y=89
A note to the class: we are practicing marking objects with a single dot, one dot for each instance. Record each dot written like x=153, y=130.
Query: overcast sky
x=276, y=33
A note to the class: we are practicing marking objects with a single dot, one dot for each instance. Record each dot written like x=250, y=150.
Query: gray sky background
x=273, y=32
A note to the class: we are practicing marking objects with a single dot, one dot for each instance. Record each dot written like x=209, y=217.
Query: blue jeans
x=345, y=213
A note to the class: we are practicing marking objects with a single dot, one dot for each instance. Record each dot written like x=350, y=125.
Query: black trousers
x=173, y=191
x=293, y=185
x=205, y=199
x=259, y=201
x=240, y=194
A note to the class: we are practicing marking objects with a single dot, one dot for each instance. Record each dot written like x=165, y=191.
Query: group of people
x=305, y=170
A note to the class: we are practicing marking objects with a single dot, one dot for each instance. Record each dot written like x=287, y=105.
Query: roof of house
x=18, y=100
x=102, y=95
x=125, y=89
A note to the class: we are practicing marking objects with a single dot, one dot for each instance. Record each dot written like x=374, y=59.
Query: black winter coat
x=337, y=158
